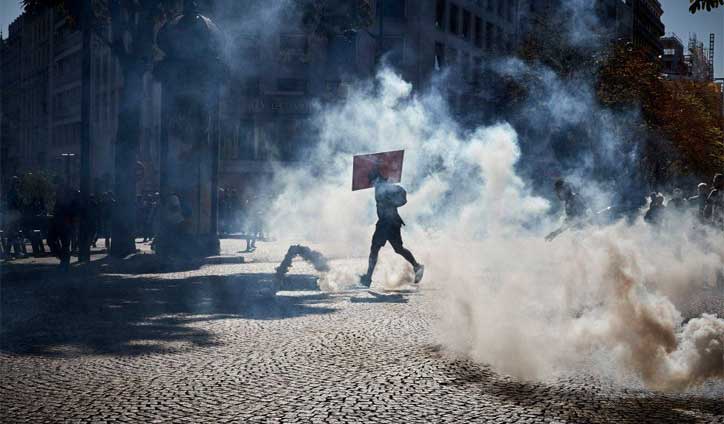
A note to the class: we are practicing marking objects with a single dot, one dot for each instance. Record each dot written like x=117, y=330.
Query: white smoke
x=529, y=308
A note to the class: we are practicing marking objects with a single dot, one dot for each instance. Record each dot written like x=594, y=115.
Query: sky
x=9, y=10
x=676, y=18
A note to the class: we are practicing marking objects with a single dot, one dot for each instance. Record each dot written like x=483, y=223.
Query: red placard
x=388, y=164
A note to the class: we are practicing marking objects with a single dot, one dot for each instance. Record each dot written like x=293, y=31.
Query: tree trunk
x=85, y=224
x=126, y=148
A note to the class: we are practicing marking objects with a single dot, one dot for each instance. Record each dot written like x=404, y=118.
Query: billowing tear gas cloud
x=505, y=297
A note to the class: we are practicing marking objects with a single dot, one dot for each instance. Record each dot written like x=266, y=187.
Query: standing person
x=222, y=212
x=246, y=217
x=60, y=231
x=389, y=197
x=106, y=212
x=656, y=209
x=146, y=223
x=699, y=201
x=14, y=219
x=715, y=203
x=715, y=214
x=140, y=212
x=94, y=215
x=75, y=223
x=677, y=201
x=574, y=206
x=252, y=222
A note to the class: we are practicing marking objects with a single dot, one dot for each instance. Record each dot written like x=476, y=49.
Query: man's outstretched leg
x=417, y=267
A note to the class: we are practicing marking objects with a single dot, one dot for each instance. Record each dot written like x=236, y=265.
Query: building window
x=669, y=52
x=439, y=55
x=491, y=6
x=440, y=14
x=466, y=24
x=478, y=32
x=501, y=8
x=394, y=9
x=477, y=69
x=454, y=17
x=295, y=85
x=293, y=48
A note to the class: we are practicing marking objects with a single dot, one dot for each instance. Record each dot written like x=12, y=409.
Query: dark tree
x=697, y=5
x=133, y=26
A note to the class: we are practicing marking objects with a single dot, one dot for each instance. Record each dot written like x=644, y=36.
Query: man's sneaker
x=419, y=271
x=365, y=280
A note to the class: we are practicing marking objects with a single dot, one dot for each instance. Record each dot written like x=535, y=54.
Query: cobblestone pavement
x=211, y=345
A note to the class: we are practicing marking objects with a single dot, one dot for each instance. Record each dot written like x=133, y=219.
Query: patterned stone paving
x=215, y=344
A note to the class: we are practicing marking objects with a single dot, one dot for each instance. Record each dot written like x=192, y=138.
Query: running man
x=574, y=206
x=389, y=197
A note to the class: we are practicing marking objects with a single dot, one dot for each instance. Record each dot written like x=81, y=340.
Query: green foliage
x=697, y=5
x=684, y=112
x=36, y=188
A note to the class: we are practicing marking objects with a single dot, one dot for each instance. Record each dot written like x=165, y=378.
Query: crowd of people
x=29, y=218
x=707, y=204
x=51, y=220
x=54, y=220
x=241, y=215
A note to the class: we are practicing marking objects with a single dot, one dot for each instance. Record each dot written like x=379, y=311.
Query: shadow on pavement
x=129, y=315
x=584, y=402
x=380, y=298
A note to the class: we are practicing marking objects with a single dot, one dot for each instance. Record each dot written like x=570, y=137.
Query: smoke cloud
x=613, y=299
x=509, y=299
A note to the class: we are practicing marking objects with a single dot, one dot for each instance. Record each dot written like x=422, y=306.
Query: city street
x=216, y=344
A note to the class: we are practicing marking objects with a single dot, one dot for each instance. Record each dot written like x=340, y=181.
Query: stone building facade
x=40, y=92
x=276, y=74
x=282, y=72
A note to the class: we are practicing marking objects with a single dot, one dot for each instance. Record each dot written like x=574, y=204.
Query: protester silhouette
x=389, y=224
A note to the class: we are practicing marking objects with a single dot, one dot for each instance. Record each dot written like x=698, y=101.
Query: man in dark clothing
x=75, y=238
x=94, y=218
x=14, y=219
x=574, y=207
x=106, y=206
x=656, y=209
x=60, y=231
x=699, y=201
x=715, y=203
x=389, y=224
x=677, y=201
x=715, y=212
